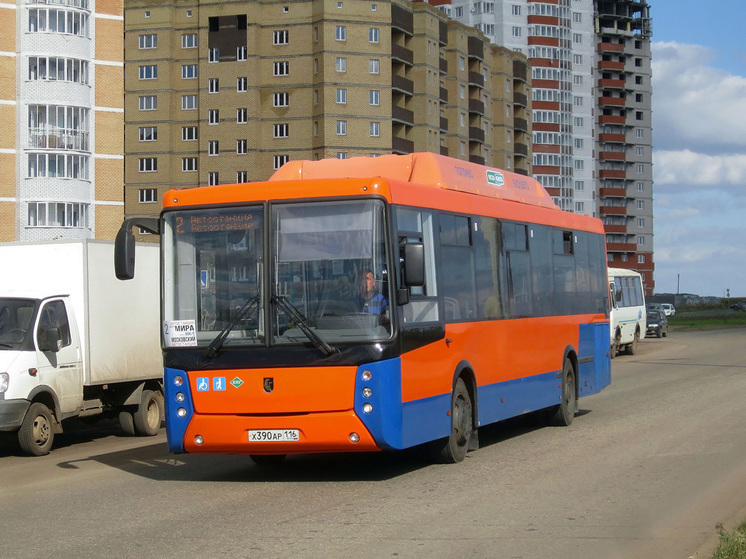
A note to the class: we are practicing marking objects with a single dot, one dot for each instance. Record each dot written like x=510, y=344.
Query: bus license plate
x=273, y=435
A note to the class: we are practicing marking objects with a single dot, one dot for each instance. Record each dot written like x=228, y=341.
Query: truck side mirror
x=52, y=341
x=124, y=245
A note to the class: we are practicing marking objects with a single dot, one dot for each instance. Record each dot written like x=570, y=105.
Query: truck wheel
x=632, y=347
x=36, y=434
x=147, y=418
x=127, y=422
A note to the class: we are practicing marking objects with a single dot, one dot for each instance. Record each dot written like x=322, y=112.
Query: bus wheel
x=632, y=348
x=453, y=449
x=36, y=434
x=564, y=413
x=616, y=345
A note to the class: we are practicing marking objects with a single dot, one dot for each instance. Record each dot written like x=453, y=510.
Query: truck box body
x=118, y=321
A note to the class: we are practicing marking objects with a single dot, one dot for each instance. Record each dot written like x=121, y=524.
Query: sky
x=699, y=146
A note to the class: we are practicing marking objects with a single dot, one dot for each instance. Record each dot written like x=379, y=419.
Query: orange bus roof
x=428, y=169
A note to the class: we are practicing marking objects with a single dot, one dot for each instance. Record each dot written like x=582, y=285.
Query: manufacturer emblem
x=236, y=382
x=269, y=384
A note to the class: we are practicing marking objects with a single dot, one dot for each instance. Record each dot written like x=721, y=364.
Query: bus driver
x=372, y=300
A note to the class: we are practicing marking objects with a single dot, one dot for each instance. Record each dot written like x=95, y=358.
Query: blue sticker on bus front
x=218, y=383
x=203, y=384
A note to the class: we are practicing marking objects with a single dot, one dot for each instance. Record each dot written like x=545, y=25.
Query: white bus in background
x=627, y=314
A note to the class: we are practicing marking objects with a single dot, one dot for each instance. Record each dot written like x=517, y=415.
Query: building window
x=242, y=176
x=641, y=204
x=374, y=66
x=148, y=133
x=516, y=10
x=213, y=147
x=641, y=259
x=148, y=102
x=188, y=133
x=639, y=133
x=58, y=214
x=341, y=155
x=189, y=41
x=375, y=129
x=213, y=178
x=189, y=102
x=341, y=96
x=375, y=97
x=189, y=71
x=58, y=165
x=341, y=128
x=341, y=33
x=148, y=164
x=242, y=84
x=280, y=37
x=241, y=147
x=341, y=64
x=578, y=121
x=640, y=187
x=189, y=164
x=242, y=116
x=213, y=54
x=241, y=53
x=641, y=222
x=148, y=195
x=517, y=31
x=579, y=207
x=281, y=68
x=213, y=116
x=577, y=59
x=577, y=17
x=373, y=34
x=579, y=164
x=55, y=68
x=149, y=41
x=279, y=160
x=213, y=85
x=579, y=143
x=641, y=240
x=280, y=130
x=149, y=72
x=280, y=99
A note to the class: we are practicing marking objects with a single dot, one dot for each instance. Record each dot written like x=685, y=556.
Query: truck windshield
x=328, y=264
x=16, y=317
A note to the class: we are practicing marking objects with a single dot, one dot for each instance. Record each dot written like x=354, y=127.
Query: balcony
x=402, y=146
x=612, y=174
x=610, y=47
x=476, y=79
x=444, y=151
x=476, y=106
x=612, y=156
x=443, y=124
x=402, y=20
x=478, y=159
x=402, y=84
x=402, y=116
x=613, y=210
x=520, y=70
x=615, y=228
x=520, y=149
x=443, y=66
x=612, y=102
x=612, y=119
x=520, y=124
x=443, y=94
x=621, y=247
x=402, y=54
x=612, y=192
x=475, y=47
x=612, y=138
x=520, y=99
x=476, y=134
x=611, y=84
x=611, y=65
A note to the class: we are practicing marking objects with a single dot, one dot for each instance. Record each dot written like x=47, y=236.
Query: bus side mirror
x=124, y=245
x=414, y=264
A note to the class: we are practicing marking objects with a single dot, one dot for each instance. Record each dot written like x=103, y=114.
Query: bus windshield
x=328, y=280
x=329, y=271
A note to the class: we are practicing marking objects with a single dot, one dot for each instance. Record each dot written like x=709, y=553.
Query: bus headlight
x=178, y=380
x=367, y=392
x=4, y=382
x=181, y=412
x=367, y=408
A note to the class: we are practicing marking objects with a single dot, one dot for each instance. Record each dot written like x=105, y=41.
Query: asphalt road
x=647, y=469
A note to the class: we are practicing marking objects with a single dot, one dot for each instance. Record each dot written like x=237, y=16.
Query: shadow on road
x=154, y=462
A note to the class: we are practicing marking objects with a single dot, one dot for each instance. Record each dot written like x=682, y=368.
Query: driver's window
x=54, y=315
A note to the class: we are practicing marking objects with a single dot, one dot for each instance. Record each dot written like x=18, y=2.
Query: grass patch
x=732, y=544
x=708, y=320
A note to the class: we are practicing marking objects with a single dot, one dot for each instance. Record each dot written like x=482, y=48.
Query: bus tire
x=563, y=414
x=632, y=347
x=147, y=418
x=454, y=448
x=616, y=344
x=36, y=433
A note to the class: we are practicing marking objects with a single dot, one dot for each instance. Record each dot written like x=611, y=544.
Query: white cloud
x=686, y=167
x=694, y=104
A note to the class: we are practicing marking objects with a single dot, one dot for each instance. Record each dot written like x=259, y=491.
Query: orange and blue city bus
x=373, y=304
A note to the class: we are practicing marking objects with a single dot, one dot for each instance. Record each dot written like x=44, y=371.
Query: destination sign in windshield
x=212, y=223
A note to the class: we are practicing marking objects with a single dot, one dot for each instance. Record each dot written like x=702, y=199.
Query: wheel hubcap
x=41, y=430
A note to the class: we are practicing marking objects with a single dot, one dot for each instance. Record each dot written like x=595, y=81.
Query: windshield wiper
x=302, y=324
x=245, y=311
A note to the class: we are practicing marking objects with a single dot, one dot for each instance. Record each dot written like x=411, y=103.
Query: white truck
x=77, y=342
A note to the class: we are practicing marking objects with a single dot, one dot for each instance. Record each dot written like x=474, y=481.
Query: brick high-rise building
x=221, y=92
x=592, y=146
x=61, y=92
